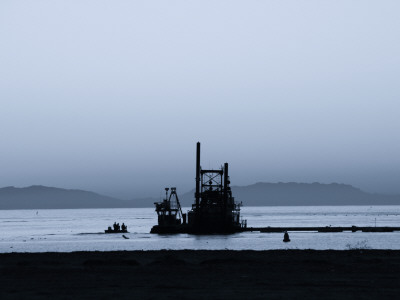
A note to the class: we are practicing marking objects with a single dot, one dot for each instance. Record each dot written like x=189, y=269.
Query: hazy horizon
x=180, y=192
x=112, y=96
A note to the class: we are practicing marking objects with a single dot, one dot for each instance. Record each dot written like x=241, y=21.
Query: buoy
x=286, y=237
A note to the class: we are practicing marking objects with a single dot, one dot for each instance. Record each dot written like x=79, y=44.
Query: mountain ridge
x=303, y=194
x=257, y=194
x=43, y=197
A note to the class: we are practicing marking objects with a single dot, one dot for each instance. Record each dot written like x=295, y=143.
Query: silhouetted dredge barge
x=214, y=210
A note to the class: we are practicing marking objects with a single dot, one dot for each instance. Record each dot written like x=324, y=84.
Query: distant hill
x=259, y=194
x=41, y=197
x=291, y=193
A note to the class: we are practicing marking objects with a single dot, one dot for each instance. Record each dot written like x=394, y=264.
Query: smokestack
x=197, y=195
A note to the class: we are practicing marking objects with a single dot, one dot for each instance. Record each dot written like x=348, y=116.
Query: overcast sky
x=111, y=96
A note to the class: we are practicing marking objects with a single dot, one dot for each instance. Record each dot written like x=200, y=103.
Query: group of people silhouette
x=116, y=227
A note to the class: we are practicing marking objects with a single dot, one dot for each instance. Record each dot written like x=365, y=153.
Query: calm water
x=81, y=230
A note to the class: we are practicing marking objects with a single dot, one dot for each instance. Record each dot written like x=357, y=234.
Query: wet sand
x=293, y=274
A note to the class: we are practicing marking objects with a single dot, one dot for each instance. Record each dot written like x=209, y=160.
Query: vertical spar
x=197, y=195
x=226, y=176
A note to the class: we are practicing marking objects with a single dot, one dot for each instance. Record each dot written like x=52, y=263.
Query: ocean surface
x=67, y=230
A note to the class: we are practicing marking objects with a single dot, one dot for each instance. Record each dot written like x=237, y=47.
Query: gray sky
x=111, y=96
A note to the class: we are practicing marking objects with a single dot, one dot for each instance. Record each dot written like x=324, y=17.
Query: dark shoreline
x=198, y=274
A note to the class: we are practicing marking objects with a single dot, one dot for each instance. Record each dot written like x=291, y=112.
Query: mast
x=226, y=178
x=197, y=194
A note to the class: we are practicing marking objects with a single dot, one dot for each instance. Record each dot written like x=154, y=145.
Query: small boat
x=117, y=229
x=110, y=230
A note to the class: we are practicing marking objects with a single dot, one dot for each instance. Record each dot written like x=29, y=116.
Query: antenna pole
x=197, y=195
x=226, y=176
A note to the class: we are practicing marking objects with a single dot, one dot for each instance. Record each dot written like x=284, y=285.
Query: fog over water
x=111, y=96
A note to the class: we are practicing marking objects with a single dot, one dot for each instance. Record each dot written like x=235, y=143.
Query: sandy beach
x=202, y=274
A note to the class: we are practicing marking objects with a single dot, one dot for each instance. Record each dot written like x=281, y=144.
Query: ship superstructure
x=169, y=211
x=214, y=209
